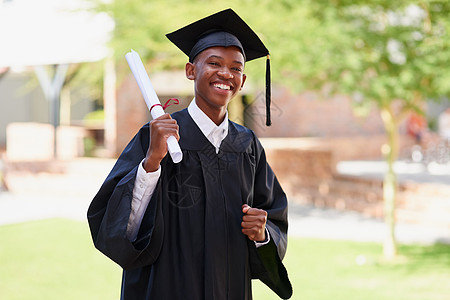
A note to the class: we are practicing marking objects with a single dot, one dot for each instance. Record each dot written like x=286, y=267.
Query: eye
x=213, y=63
x=237, y=69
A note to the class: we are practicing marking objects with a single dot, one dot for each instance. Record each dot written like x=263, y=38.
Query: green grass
x=323, y=269
x=55, y=259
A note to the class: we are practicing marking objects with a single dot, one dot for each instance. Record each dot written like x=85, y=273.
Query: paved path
x=309, y=221
x=405, y=170
x=17, y=208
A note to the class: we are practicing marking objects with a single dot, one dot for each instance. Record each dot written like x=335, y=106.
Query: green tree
x=390, y=54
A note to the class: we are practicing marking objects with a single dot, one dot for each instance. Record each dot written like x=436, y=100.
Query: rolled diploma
x=151, y=99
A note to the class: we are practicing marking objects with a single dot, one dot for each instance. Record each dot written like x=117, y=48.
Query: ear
x=190, y=71
x=244, y=77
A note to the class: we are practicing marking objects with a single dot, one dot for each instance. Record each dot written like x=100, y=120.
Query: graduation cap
x=224, y=28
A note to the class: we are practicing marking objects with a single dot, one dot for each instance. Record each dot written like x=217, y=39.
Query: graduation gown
x=190, y=244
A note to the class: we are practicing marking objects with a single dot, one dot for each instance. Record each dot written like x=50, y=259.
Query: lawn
x=55, y=259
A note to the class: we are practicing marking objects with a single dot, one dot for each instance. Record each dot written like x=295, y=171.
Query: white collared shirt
x=215, y=134
x=145, y=183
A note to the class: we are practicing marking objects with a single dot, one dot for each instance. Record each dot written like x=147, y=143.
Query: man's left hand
x=254, y=223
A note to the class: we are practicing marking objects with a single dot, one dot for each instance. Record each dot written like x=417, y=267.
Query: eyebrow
x=220, y=57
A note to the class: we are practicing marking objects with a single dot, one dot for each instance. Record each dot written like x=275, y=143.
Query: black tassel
x=268, y=92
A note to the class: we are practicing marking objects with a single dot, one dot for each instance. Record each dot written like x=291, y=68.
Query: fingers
x=254, y=223
x=163, y=127
x=251, y=211
x=255, y=233
x=163, y=130
x=160, y=130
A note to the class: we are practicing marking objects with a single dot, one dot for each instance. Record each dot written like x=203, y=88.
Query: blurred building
x=40, y=40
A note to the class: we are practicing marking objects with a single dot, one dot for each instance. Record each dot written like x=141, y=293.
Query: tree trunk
x=390, y=182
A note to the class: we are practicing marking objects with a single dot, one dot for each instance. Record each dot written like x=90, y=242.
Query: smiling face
x=218, y=75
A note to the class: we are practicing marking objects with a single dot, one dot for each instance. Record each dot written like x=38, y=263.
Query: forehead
x=227, y=53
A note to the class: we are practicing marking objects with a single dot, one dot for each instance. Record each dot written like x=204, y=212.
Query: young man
x=202, y=228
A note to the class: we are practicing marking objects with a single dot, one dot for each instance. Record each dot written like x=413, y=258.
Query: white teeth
x=222, y=86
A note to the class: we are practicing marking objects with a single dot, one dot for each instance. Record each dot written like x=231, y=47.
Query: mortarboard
x=224, y=28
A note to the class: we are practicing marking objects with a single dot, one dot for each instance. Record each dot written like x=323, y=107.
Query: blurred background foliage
x=379, y=49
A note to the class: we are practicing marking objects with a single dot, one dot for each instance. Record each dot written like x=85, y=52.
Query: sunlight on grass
x=341, y=270
x=55, y=259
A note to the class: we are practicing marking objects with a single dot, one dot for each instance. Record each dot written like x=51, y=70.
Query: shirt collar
x=206, y=125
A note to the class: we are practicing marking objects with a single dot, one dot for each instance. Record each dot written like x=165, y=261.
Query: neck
x=216, y=114
x=217, y=117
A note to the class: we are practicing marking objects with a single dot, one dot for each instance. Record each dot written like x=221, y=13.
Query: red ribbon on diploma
x=167, y=104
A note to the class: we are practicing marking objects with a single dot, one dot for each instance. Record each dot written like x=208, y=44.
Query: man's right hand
x=160, y=130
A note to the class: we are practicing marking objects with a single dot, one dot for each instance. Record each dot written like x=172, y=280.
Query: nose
x=225, y=73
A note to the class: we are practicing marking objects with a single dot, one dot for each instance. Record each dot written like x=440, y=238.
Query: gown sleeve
x=266, y=261
x=110, y=209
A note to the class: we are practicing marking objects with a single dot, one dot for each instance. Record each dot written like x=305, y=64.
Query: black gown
x=190, y=244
